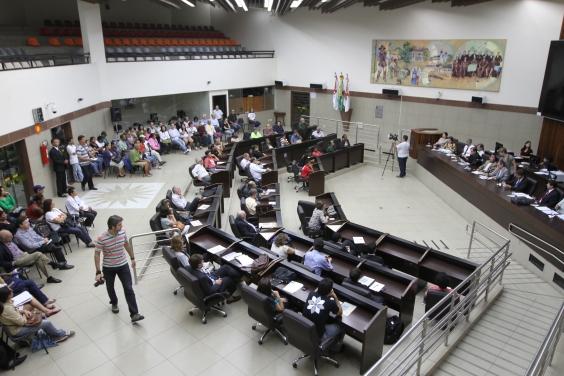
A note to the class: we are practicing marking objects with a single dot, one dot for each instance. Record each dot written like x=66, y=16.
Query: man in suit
x=518, y=183
x=370, y=254
x=551, y=197
x=249, y=186
x=345, y=246
x=474, y=158
x=59, y=166
x=354, y=275
x=246, y=229
x=501, y=173
x=223, y=280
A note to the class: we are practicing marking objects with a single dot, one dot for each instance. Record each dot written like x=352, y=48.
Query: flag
x=347, y=98
x=340, y=94
x=335, y=98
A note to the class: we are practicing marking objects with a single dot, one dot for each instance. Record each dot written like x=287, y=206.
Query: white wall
x=311, y=46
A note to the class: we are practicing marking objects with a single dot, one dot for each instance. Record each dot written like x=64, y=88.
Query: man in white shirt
x=200, y=172
x=215, y=123
x=256, y=170
x=245, y=161
x=317, y=133
x=175, y=138
x=204, y=119
x=403, y=153
x=180, y=202
x=251, y=202
x=253, y=119
x=73, y=161
x=76, y=207
x=217, y=112
x=467, y=148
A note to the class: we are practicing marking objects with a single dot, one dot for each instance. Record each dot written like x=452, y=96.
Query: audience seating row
x=167, y=42
x=33, y=42
x=171, y=51
x=129, y=25
x=160, y=34
x=59, y=23
x=60, y=32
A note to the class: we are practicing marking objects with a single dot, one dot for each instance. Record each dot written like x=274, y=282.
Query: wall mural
x=474, y=64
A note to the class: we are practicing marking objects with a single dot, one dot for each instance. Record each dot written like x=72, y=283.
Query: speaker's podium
x=422, y=136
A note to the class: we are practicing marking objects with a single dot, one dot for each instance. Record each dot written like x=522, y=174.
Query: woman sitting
x=331, y=147
x=209, y=161
x=7, y=223
x=316, y=152
x=185, y=136
x=35, y=210
x=450, y=145
x=110, y=158
x=227, y=128
x=56, y=218
x=284, y=141
x=21, y=322
x=256, y=152
x=19, y=286
x=345, y=141
x=195, y=135
x=179, y=215
x=7, y=202
x=318, y=218
x=279, y=246
x=267, y=145
x=169, y=222
x=177, y=247
x=276, y=302
x=166, y=141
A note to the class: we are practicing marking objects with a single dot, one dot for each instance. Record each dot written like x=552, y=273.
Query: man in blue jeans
x=403, y=153
x=113, y=243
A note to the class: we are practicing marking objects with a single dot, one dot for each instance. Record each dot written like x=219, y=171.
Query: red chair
x=159, y=42
x=68, y=33
x=54, y=41
x=77, y=33
x=221, y=35
x=151, y=42
x=215, y=42
x=115, y=33
x=68, y=23
x=154, y=34
x=69, y=42
x=221, y=42
x=189, y=42
x=143, y=42
x=58, y=32
x=184, y=35
x=162, y=34
x=215, y=35
x=45, y=32
x=131, y=33
x=126, y=42
x=31, y=41
x=123, y=33
x=233, y=43
x=181, y=42
x=167, y=42
x=139, y=34
x=177, y=34
x=195, y=42
x=191, y=35
x=174, y=42
x=117, y=42
x=107, y=33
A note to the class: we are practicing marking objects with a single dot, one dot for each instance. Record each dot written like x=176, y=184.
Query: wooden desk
x=316, y=180
x=214, y=207
x=224, y=178
x=296, y=151
x=422, y=136
x=271, y=217
x=270, y=177
x=218, y=193
x=493, y=201
x=329, y=199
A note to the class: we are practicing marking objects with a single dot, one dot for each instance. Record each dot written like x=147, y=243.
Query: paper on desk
x=204, y=207
x=478, y=172
x=561, y=216
x=463, y=163
x=348, y=308
x=272, y=202
x=293, y=286
x=331, y=219
x=542, y=208
x=358, y=240
x=366, y=281
x=231, y=256
x=521, y=194
x=541, y=173
x=269, y=191
x=335, y=228
x=195, y=223
x=268, y=225
x=220, y=163
x=216, y=249
x=244, y=260
x=377, y=287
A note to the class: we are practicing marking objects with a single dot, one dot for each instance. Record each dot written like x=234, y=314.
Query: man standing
x=73, y=160
x=403, y=153
x=218, y=113
x=200, y=172
x=85, y=158
x=113, y=244
x=180, y=202
x=59, y=166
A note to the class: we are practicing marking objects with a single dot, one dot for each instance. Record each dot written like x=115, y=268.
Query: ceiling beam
x=463, y=3
x=395, y=4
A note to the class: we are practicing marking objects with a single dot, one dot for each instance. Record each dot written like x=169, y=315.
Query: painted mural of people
x=382, y=63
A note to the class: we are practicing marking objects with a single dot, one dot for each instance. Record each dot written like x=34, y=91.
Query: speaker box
x=181, y=114
x=115, y=113
x=391, y=91
x=479, y=99
x=281, y=83
x=317, y=86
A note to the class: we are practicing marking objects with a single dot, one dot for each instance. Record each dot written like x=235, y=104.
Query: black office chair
x=261, y=310
x=236, y=232
x=433, y=298
x=321, y=147
x=560, y=192
x=155, y=223
x=308, y=207
x=298, y=178
x=304, y=225
x=460, y=147
x=172, y=260
x=249, y=175
x=534, y=185
x=241, y=171
x=253, y=218
x=288, y=167
x=302, y=334
x=337, y=143
x=269, y=252
x=305, y=267
x=241, y=123
x=195, y=295
x=359, y=290
x=240, y=190
x=263, y=146
x=196, y=182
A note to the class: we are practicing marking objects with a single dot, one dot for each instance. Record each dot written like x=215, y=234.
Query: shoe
x=53, y=280
x=17, y=362
x=62, y=195
x=233, y=299
x=91, y=246
x=66, y=267
x=57, y=248
x=157, y=167
x=137, y=317
x=61, y=338
x=53, y=313
x=54, y=265
x=40, y=286
x=93, y=189
x=83, y=188
x=162, y=163
x=399, y=176
x=115, y=308
x=70, y=333
x=121, y=176
x=90, y=228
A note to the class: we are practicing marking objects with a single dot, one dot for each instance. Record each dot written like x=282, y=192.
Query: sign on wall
x=475, y=64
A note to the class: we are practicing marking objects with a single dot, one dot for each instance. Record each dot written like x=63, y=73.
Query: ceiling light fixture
x=241, y=4
x=188, y=3
x=296, y=3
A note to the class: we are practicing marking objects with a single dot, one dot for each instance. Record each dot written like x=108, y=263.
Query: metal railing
x=543, y=357
x=154, y=246
x=369, y=134
x=408, y=355
x=116, y=57
x=15, y=62
x=546, y=253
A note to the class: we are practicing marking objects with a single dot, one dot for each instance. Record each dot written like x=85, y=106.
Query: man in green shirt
x=136, y=159
x=122, y=143
x=255, y=134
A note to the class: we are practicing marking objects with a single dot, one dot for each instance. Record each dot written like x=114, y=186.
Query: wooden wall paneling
x=236, y=104
x=551, y=141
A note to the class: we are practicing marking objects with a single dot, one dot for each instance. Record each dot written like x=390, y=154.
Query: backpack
x=261, y=265
x=394, y=330
x=209, y=192
x=246, y=136
x=522, y=200
x=283, y=275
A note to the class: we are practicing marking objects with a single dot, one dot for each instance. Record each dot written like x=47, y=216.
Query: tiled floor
x=170, y=342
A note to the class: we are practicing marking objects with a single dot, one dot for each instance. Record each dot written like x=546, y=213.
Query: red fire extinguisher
x=44, y=155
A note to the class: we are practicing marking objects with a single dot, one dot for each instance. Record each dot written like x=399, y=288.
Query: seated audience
x=209, y=161
x=302, y=126
x=307, y=170
x=137, y=160
x=305, y=159
x=152, y=129
x=517, y=182
x=318, y=218
x=278, y=128
x=280, y=246
x=35, y=210
x=37, y=190
x=7, y=223
x=18, y=286
x=315, y=260
x=257, y=170
x=251, y=202
x=123, y=144
x=548, y=164
x=215, y=122
x=232, y=118
x=296, y=138
x=509, y=160
x=526, y=151
x=268, y=131
x=12, y=257
x=177, y=246
x=316, y=152
x=194, y=133
x=148, y=153
x=175, y=138
x=179, y=215
x=450, y=145
x=227, y=128
x=443, y=140
x=354, y=275
x=501, y=173
x=76, y=207
x=345, y=246
x=467, y=148
x=370, y=254
x=31, y=240
x=165, y=140
x=217, y=149
x=441, y=284
x=168, y=221
x=255, y=134
x=7, y=202
x=185, y=135
x=55, y=218
x=345, y=141
x=317, y=133
x=276, y=302
x=331, y=147
x=551, y=196
x=267, y=145
x=480, y=150
x=284, y=141
x=154, y=145
x=253, y=119
x=209, y=132
x=245, y=161
x=223, y=280
x=251, y=185
x=245, y=227
x=321, y=304
x=490, y=165
x=111, y=158
x=200, y=172
x=474, y=158
x=21, y=322
x=180, y=202
x=256, y=152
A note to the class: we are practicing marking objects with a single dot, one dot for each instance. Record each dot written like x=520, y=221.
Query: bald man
x=180, y=202
x=246, y=229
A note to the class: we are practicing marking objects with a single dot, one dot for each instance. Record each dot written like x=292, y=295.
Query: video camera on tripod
x=393, y=137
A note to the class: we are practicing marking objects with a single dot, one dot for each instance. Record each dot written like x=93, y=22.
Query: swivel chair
x=195, y=295
x=261, y=310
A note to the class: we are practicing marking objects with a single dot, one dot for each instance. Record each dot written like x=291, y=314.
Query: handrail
x=533, y=244
x=410, y=351
x=152, y=250
x=337, y=121
x=31, y=59
x=478, y=231
x=543, y=357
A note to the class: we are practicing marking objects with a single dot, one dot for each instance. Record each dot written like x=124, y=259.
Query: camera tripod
x=391, y=154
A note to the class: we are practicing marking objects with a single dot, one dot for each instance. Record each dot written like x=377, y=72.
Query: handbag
x=117, y=159
x=42, y=228
x=35, y=319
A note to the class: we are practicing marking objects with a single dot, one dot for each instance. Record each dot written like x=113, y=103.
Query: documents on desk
x=244, y=260
x=366, y=281
x=335, y=228
x=231, y=256
x=216, y=249
x=272, y=202
x=220, y=163
x=348, y=308
x=268, y=225
x=293, y=286
x=269, y=191
x=358, y=240
x=195, y=223
x=204, y=207
x=377, y=287
x=478, y=172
